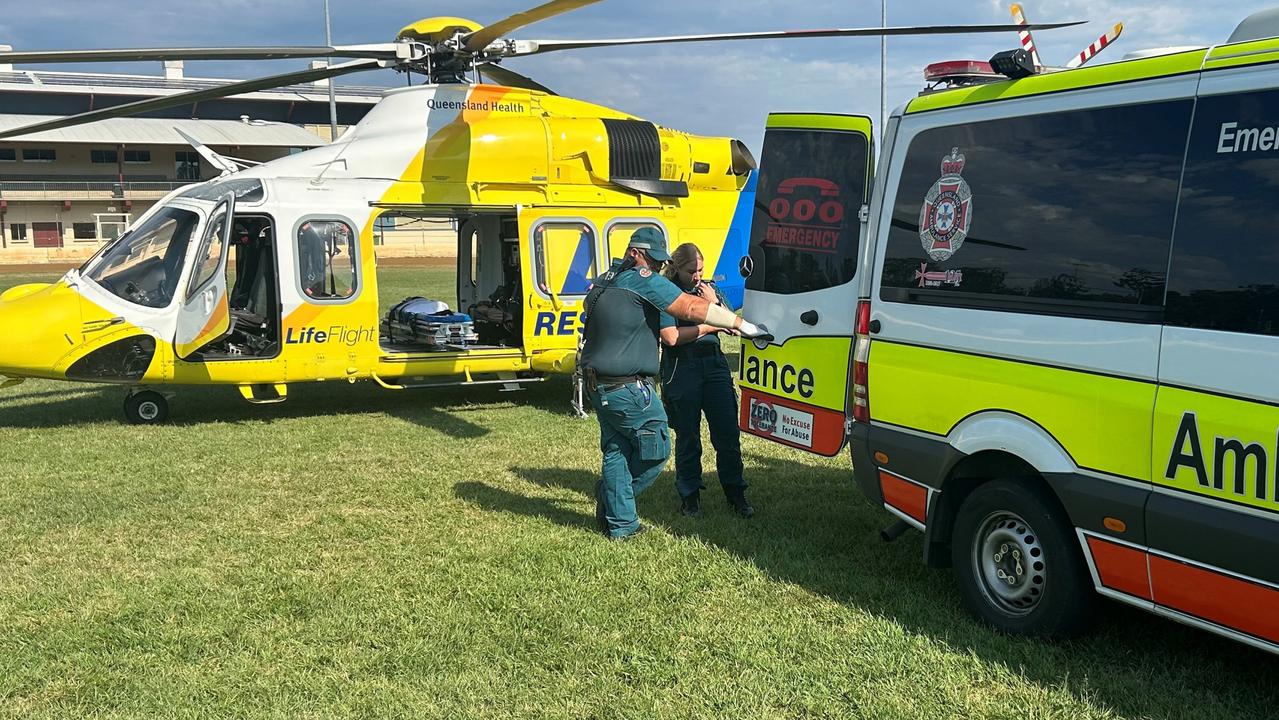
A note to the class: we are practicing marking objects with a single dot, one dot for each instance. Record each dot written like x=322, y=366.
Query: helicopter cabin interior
x=488, y=291
x=253, y=293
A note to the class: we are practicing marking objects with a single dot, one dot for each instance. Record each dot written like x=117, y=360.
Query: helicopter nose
x=40, y=324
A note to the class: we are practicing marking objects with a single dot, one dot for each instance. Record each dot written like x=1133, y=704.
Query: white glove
x=749, y=329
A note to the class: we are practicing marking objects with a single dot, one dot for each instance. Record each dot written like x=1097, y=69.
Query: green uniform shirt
x=668, y=320
x=623, y=310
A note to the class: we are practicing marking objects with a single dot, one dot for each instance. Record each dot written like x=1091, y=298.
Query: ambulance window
x=1061, y=214
x=1225, y=257
x=565, y=254
x=145, y=265
x=327, y=259
x=812, y=185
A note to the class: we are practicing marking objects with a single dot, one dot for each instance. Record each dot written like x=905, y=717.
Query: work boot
x=601, y=521
x=638, y=531
x=737, y=498
x=691, y=505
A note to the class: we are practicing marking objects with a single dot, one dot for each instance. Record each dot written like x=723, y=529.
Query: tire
x=146, y=407
x=1018, y=564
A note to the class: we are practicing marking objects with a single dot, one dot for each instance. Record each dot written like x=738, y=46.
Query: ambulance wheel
x=1018, y=566
x=146, y=407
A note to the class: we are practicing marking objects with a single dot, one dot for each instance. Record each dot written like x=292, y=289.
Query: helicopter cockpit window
x=145, y=265
x=326, y=259
x=247, y=191
x=209, y=256
x=565, y=253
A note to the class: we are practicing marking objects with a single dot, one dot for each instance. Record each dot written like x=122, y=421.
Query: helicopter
x=267, y=275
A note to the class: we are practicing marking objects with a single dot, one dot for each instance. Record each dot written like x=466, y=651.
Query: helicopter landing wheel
x=146, y=407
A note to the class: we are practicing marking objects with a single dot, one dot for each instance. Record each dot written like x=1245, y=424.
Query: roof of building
x=160, y=131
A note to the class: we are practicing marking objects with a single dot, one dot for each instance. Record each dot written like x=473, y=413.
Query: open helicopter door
x=564, y=258
x=204, y=315
x=801, y=278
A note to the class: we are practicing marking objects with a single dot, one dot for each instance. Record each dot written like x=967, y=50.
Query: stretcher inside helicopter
x=489, y=291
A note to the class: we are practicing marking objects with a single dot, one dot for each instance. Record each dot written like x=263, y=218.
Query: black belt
x=621, y=379
x=694, y=350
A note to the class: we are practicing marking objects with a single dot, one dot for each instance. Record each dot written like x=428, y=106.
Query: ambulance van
x=1047, y=332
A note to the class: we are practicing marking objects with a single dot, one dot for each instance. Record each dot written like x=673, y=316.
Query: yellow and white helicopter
x=267, y=276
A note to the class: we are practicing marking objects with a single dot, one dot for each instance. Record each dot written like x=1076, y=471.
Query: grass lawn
x=364, y=553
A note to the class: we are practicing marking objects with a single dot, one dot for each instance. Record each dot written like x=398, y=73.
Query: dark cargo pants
x=697, y=383
x=635, y=442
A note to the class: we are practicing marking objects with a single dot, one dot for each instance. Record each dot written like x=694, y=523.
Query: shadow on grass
x=815, y=530
x=439, y=409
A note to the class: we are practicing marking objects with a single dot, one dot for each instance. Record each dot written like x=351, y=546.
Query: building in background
x=65, y=192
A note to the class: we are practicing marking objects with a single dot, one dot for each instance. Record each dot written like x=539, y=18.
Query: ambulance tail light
x=861, y=372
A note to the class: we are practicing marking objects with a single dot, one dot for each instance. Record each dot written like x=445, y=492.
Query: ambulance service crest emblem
x=948, y=210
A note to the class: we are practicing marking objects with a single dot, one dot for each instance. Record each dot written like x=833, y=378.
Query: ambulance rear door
x=801, y=278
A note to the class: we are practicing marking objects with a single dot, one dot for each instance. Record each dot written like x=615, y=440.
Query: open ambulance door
x=204, y=315
x=801, y=278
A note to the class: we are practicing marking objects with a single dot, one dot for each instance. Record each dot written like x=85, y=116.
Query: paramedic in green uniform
x=696, y=381
x=619, y=359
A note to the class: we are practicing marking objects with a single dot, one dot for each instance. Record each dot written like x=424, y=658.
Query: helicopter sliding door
x=564, y=249
x=801, y=278
x=204, y=315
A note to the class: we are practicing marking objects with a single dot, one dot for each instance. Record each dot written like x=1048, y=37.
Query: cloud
x=715, y=93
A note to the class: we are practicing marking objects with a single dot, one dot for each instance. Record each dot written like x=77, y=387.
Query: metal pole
x=883, y=64
x=333, y=102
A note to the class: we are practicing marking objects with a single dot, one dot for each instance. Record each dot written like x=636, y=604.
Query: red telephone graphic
x=830, y=212
x=827, y=188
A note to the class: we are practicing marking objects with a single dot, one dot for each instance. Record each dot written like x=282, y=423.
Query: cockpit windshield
x=145, y=265
x=247, y=190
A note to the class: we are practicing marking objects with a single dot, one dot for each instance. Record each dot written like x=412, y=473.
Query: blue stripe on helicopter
x=737, y=245
x=578, y=281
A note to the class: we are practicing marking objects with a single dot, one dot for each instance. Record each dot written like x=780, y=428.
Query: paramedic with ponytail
x=696, y=380
x=619, y=360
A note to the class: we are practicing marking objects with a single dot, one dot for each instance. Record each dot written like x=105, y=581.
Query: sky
x=707, y=88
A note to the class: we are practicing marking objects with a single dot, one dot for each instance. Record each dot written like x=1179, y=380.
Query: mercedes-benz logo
x=746, y=266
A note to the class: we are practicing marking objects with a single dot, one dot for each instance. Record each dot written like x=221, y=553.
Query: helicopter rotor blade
x=510, y=78
x=481, y=38
x=534, y=47
x=187, y=98
x=382, y=51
